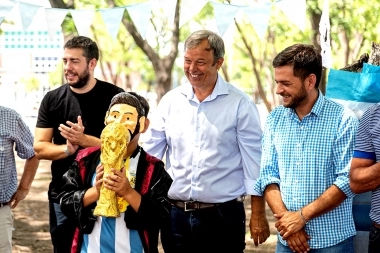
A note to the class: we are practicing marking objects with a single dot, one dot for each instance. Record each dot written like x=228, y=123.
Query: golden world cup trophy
x=114, y=141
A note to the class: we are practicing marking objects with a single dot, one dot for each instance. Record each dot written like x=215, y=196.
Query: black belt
x=3, y=204
x=196, y=205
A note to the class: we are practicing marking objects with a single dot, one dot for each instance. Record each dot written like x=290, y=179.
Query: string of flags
x=140, y=13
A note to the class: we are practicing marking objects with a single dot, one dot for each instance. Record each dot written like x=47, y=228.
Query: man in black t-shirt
x=73, y=112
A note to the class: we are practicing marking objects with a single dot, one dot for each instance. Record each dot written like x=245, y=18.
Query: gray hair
x=215, y=41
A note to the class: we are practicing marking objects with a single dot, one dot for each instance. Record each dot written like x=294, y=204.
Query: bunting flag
x=224, y=15
x=27, y=13
x=295, y=10
x=112, y=19
x=259, y=18
x=83, y=20
x=189, y=10
x=140, y=14
x=168, y=7
x=324, y=30
x=6, y=6
x=54, y=18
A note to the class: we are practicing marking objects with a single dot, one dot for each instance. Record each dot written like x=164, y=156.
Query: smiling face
x=77, y=70
x=200, y=67
x=292, y=89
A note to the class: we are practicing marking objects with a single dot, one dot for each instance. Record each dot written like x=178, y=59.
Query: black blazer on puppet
x=152, y=182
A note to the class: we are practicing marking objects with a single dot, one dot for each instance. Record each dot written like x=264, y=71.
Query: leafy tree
x=31, y=83
x=162, y=64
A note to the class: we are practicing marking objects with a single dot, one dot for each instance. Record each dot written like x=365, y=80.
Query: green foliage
x=31, y=83
x=56, y=76
x=354, y=25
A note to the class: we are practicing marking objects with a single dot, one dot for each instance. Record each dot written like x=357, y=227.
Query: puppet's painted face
x=123, y=114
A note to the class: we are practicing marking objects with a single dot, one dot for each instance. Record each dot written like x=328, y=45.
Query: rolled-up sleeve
x=343, y=151
x=269, y=173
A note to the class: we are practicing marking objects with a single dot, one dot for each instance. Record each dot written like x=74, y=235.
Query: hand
x=74, y=133
x=19, y=195
x=297, y=242
x=259, y=228
x=71, y=148
x=288, y=223
x=99, y=177
x=118, y=182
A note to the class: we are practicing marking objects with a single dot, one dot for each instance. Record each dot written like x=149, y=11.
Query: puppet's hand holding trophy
x=114, y=141
x=124, y=120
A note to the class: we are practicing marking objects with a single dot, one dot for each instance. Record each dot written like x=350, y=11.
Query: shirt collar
x=221, y=88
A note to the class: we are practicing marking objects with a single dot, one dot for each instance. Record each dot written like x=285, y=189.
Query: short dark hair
x=304, y=59
x=90, y=49
x=214, y=40
x=144, y=103
x=129, y=99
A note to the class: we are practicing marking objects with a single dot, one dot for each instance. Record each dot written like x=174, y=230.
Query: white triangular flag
x=27, y=13
x=140, y=15
x=168, y=7
x=5, y=7
x=295, y=10
x=324, y=30
x=112, y=19
x=83, y=20
x=259, y=15
x=224, y=15
x=54, y=18
x=189, y=10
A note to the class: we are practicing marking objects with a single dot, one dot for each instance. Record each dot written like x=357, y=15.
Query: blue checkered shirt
x=305, y=157
x=14, y=133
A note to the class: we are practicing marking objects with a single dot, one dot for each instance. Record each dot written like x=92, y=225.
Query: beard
x=82, y=80
x=298, y=99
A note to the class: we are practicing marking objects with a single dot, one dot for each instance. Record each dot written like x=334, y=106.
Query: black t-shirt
x=61, y=105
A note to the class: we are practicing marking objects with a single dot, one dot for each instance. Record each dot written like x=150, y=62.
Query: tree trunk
x=162, y=66
x=315, y=19
x=255, y=69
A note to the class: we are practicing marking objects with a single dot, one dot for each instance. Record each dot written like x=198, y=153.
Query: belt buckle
x=186, y=209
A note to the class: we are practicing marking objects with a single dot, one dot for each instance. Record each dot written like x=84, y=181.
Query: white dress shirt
x=213, y=147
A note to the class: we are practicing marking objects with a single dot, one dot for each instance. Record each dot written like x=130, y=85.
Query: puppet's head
x=126, y=109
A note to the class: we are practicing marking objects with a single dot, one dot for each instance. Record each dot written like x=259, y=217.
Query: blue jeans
x=374, y=240
x=215, y=229
x=346, y=246
x=61, y=229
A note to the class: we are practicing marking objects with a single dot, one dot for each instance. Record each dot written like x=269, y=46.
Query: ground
x=31, y=222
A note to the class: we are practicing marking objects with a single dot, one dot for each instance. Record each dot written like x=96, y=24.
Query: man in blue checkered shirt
x=14, y=135
x=307, y=144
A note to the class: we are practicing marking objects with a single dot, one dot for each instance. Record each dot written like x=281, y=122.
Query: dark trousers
x=215, y=229
x=61, y=229
x=374, y=240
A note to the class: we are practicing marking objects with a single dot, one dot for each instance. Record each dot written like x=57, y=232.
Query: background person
x=365, y=169
x=308, y=143
x=212, y=157
x=14, y=136
x=73, y=112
